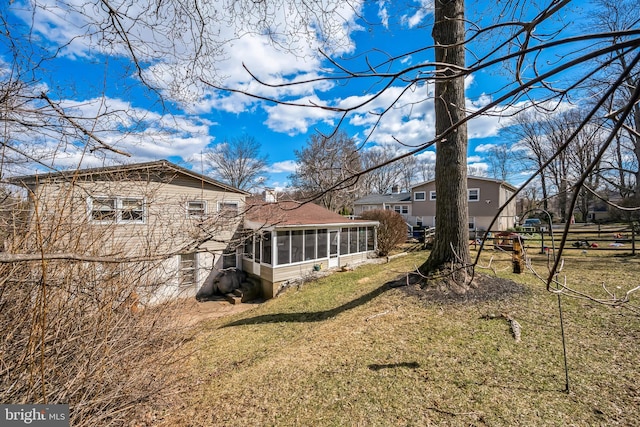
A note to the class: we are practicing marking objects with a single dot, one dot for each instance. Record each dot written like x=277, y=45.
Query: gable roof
x=480, y=178
x=378, y=199
x=290, y=213
x=161, y=166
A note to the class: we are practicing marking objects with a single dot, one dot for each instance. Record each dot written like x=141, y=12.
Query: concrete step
x=233, y=299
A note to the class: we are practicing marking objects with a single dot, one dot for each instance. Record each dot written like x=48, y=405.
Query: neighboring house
x=287, y=240
x=398, y=202
x=176, y=222
x=485, y=196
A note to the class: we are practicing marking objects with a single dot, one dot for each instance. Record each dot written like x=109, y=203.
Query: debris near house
x=516, y=329
x=234, y=285
x=582, y=244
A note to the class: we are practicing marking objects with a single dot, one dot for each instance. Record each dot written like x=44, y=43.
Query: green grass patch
x=347, y=350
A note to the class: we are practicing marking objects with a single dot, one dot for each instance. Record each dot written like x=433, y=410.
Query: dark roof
x=291, y=214
x=157, y=166
x=378, y=199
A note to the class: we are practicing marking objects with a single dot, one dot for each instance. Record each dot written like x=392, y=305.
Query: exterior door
x=334, y=244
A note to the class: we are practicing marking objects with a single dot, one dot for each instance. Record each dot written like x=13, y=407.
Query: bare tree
x=613, y=17
x=238, y=162
x=526, y=133
x=408, y=172
x=500, y=158
x=427, y=171
x=581, y=155
x=557, y=131
x=326, y=167
x=81, y=292
x=381, y=179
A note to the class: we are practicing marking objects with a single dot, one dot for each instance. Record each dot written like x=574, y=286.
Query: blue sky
x=88, y=76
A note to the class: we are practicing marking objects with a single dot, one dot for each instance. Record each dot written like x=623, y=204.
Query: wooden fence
x=618, y=238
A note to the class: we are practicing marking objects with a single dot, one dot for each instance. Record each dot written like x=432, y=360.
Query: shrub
x=392, y=231
x=74, y=333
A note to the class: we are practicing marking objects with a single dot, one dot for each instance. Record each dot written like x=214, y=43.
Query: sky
x=87, y=71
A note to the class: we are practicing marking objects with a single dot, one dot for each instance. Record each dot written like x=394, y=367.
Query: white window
x=196, y=208
x=474, y=194
x=419, y=196
x=419, y=221
x=472, y=223
x=229, y=259
x=405, y=209
x=228, y=209
x=397, y=208
x=132, y=210
x=121, y=210
x=187, y=274
x=103, y=209
x=432, y=195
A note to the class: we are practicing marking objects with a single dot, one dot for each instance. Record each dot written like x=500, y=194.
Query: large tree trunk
x=451, y=244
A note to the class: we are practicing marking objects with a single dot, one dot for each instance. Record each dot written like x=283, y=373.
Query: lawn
x=347, y=350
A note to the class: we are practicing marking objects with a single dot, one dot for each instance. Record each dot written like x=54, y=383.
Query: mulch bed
x=485, y=288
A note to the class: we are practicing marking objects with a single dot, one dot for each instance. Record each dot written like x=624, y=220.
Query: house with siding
x=484, y=195
x=395, y=201
x=287, y=240
x=177, y=223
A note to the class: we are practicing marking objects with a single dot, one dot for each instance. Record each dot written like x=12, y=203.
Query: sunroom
x=287, y=241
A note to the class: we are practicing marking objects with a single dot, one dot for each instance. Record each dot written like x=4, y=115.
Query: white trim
x=415, y=196
x=229, y=204
x=193, y=213
x=432, y=195
x=477, y=199
x=118, y=208
x=188, y=271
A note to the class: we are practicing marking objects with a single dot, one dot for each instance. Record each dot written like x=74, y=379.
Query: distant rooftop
x=291, y=214
x=378, y=199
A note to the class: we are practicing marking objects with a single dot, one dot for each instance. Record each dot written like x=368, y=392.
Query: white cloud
x=143, y=134
x=383, y=14
x=286, y=166
x=427, y=156
x=293, y=120
x=285, y=50
x=484, y=148
x=419, y=12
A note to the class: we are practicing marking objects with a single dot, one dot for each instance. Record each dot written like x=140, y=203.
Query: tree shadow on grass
x=317, y=316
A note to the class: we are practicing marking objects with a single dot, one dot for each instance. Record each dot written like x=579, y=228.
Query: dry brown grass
x=348, y=351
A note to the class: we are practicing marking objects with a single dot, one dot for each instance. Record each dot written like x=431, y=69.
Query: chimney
x=395, y=189
x=270, y=195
